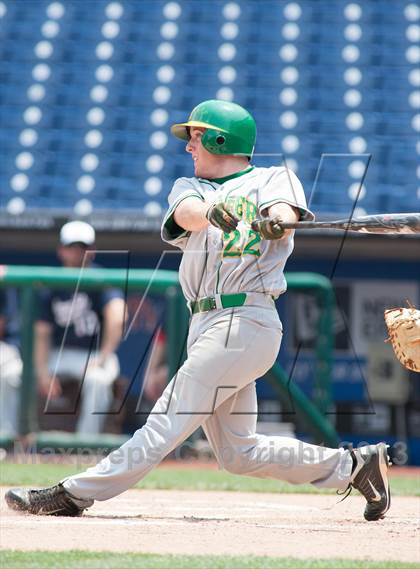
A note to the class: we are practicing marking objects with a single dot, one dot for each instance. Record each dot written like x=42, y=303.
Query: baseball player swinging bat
x=392, y=223
x=230, y=275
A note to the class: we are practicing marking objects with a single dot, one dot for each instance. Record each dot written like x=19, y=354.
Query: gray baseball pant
x=215, y=388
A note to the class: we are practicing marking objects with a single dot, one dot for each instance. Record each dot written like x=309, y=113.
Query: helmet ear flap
x=214, y=141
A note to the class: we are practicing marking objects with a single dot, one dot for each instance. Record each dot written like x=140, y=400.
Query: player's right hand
x=221, y=216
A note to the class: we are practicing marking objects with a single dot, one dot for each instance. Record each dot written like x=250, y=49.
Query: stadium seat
x=89, y=91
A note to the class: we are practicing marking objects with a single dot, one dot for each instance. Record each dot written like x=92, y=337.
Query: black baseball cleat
x=54, y=501
x=369, y=476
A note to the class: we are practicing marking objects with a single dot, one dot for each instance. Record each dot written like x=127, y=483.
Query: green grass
x=181, y=479
x=104, y=560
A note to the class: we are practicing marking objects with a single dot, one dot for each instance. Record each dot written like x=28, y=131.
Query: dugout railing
x=29, y=278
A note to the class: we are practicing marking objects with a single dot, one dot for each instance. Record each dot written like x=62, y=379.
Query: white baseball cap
x=77, y=232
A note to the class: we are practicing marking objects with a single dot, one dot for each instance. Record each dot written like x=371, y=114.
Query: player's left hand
x=269, y=228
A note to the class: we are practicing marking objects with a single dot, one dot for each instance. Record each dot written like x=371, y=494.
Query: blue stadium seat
x=296, y=73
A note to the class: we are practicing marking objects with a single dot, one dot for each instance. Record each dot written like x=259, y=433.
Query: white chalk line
x=86, y=520
x=139, y=522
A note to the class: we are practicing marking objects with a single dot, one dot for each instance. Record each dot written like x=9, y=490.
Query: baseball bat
x=391, y=223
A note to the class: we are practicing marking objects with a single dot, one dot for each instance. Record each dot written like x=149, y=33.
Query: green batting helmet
x=230, y=128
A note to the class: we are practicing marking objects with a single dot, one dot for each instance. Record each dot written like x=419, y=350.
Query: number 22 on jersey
x=242, y=241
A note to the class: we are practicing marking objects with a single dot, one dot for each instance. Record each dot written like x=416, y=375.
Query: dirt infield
x=183, y=522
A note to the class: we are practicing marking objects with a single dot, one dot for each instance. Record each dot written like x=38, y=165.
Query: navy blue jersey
x=2, y=312
x=9, y=310
x=81, y=314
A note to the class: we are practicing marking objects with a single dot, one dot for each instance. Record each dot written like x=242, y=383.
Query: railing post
x=176, y=328
x=28, y=393
x=324, y=351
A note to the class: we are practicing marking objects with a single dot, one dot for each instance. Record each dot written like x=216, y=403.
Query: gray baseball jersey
x=215, y=262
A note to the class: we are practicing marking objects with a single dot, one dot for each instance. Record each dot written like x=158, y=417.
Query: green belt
x=209, y=303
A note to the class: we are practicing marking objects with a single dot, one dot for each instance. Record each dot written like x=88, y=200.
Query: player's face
x=73, y=255
x=205, y=163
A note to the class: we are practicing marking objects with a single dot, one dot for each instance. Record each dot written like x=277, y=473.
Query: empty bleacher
x=89, y=90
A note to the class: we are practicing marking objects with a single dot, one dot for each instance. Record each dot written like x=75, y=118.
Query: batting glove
x=270, y=228
x=220, y=215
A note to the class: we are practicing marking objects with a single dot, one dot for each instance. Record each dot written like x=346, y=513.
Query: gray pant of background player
x=97, y=394
x=10, y=380
x=227, y=351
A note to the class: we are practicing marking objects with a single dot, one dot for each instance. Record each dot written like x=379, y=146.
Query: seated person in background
x=10, y=363
x=77, y=334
